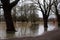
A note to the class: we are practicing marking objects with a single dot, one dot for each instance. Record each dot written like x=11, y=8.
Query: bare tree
x=7, y=7
x=56, y=11
x=45, y=9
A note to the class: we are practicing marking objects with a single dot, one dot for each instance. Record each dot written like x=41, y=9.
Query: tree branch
x=14, y=3
x=53, y=11
x=49, y=7
x=44, y=5
x=41, y=7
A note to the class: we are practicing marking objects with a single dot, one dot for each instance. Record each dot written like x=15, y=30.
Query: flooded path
x=25, y=29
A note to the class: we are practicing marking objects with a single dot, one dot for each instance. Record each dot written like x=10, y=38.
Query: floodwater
x=26, y=29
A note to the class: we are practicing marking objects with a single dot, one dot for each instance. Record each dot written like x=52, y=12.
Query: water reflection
x=10, y=35
x=52, y=26
x=34, y=29
x=25, y=29
x=2, y=34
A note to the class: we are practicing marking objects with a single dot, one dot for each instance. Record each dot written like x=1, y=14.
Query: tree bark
x=7, y=6
x=9, y=21
x=45, y=19
x=58, y=19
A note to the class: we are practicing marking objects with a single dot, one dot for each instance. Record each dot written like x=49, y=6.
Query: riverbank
x=51, y=35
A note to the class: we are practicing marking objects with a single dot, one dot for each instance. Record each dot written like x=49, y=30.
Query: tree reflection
x=34, y=28
x=10, y=35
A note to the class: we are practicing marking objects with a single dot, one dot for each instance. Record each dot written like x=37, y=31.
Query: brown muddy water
x=26, y=29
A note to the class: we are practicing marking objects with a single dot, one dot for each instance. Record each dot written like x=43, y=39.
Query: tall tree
x=7, y=7
x=56, y=11
x=45, y=9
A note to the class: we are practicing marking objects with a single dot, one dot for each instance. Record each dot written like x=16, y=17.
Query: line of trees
x=28, y=13
x=24, y=13
x=45, y=7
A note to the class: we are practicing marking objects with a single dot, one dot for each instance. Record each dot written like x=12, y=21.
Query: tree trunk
x=45, y=19
x=9, y=21
x=7, y=6
x=58, y=19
